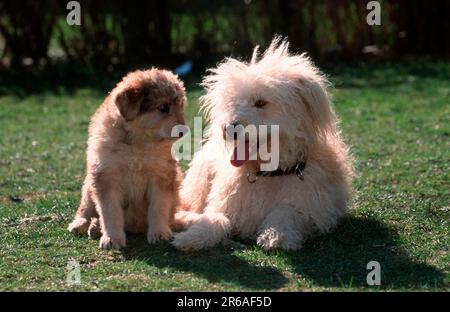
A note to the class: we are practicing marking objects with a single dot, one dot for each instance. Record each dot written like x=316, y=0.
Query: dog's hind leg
x=85, y=212
x=208, y=230
x=283, y=228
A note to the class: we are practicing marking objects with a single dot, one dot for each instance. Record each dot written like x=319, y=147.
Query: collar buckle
x=251, y=177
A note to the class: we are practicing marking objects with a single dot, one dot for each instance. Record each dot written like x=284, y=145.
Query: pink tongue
x=239, y=162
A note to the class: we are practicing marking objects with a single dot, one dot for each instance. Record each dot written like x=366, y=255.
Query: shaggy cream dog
x=310, y=188
x=131, y=179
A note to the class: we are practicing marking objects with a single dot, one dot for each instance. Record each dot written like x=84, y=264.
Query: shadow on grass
x=337, y=259
x=216, y=264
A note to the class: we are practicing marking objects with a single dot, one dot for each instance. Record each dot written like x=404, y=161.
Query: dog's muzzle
x=231, y=130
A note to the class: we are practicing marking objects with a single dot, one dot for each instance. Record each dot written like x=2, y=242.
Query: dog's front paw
x=160, y=233
x=192, y=240
x=185, y=241
x=112, y=242
x=79, y=225
x=272, y=239
x=184, y=219
x=209, y=230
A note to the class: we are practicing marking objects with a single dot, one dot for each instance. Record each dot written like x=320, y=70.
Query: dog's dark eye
x=164, y=108
x=260, y=103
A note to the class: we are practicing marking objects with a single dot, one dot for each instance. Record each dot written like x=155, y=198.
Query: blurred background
x=116, y=36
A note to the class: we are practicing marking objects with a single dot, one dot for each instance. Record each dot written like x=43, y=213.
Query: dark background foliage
x=119, y=34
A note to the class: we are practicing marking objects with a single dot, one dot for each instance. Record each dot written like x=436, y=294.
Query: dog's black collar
x=297, y=170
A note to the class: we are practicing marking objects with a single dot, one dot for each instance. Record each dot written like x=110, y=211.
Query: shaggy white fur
x=280, y=211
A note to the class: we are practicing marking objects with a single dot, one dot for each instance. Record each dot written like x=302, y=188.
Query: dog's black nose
x=232, y=130
x=234, y=124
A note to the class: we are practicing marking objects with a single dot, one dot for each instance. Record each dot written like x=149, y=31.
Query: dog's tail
x=208, y=230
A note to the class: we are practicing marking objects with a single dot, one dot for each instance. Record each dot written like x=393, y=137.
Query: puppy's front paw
x=112, y=242
x=272, y=239
x=94, y=230
x=79, y=225
x=160, y=233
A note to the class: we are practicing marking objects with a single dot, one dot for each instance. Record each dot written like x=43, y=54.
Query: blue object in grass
x=184, y=69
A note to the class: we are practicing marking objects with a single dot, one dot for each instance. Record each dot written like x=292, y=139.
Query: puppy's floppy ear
x=128, y=102
x=318, y=106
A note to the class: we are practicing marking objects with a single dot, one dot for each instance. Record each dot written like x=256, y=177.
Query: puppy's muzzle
x=180, y=133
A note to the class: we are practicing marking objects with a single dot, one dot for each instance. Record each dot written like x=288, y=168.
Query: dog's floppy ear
x=128, y=102
x=318, y=106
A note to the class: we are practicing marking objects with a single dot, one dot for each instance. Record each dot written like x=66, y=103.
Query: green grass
x=395, y=117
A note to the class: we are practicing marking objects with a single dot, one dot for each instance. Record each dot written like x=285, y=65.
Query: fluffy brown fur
x=132, y=180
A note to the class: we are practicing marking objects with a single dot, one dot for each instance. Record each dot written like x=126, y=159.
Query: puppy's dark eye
x=164, y=108
x=260, y=103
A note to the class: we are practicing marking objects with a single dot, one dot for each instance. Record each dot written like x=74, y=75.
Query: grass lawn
x=395, y=117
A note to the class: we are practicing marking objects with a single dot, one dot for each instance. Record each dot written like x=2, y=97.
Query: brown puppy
x=132, y=180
